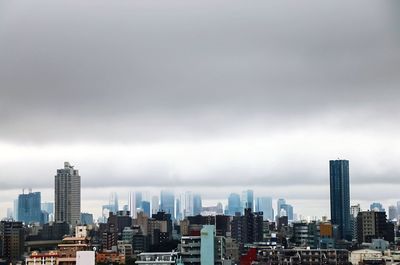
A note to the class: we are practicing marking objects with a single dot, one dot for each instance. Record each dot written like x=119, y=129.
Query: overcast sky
x=209, y=96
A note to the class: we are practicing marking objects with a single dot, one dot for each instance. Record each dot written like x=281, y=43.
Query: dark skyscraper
x=340, y=197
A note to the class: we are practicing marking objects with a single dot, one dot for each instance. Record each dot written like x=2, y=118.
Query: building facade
x=340, y=197
x=68, y=195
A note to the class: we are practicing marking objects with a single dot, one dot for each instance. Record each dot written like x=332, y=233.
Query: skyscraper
x=167, y=203
x=248, y=199
x=264, y=204
x=188, y=204
x=279, y=206
x=155, y=204
x=197, y=204
x=288, y=210
x=392, y=212
x=113, y=202
x=340, y=197
x=135, y=202
x=29, y=207
x=68, y=195
x=234, y=205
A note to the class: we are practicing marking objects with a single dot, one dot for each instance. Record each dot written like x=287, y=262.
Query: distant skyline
x=208, y=96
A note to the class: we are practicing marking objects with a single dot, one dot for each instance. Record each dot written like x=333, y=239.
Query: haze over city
x=209, y=96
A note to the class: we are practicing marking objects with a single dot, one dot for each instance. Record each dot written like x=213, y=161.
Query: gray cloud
x=123, y=69
x=198, y=93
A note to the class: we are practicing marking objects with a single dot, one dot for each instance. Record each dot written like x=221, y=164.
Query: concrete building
x=247, y=228
x=68, y=195
x=85, y=258
x=190, y=250
x=373, y=225
x=303, y=256
x=358, y=256
x=207, y=248
x=11, y=240
x=160, y=258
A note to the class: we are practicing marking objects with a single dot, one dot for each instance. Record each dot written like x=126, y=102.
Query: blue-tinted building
x=167, y=202
x=288, y=209
x=207, y=245
x=234, y=204
x=279, y=206
x=377, y=207
x=87, y=219
x=264, y=204
x=146, y=208
x=248, y=199
x=340, y=197
x=197, y=204
x=29, y=208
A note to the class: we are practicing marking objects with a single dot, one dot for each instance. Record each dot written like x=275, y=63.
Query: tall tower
x=248, y=199
x=68, y=195
x=167, y=202
x=29, y=207
x=340, y=197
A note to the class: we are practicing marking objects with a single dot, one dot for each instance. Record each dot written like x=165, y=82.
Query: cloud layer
x=198, y=94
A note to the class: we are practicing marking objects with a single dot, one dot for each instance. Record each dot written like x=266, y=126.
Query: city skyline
x=200, y=95
x=187, y=203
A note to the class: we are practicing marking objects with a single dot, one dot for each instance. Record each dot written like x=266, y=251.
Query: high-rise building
x=68, y=195
x=247, y=228
x=287, y=210
x=392, y=212
x=340, y=197
x=278, y=206
x=146, y=208
x=248, y=199
x=178, y=208
x=167, y=202
x=377, y=207
x=207, y=245
x=113, y=202
x=155, y=204
x=264, y=204
x=135, y=202
x=188, y=204
x=197, y=204
x=354, y=210
x=11, y=241
x=373, y=225
x=234, y=205
x=48, y=207
x=29, y=207
x=87, y=219
x=15, y=209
